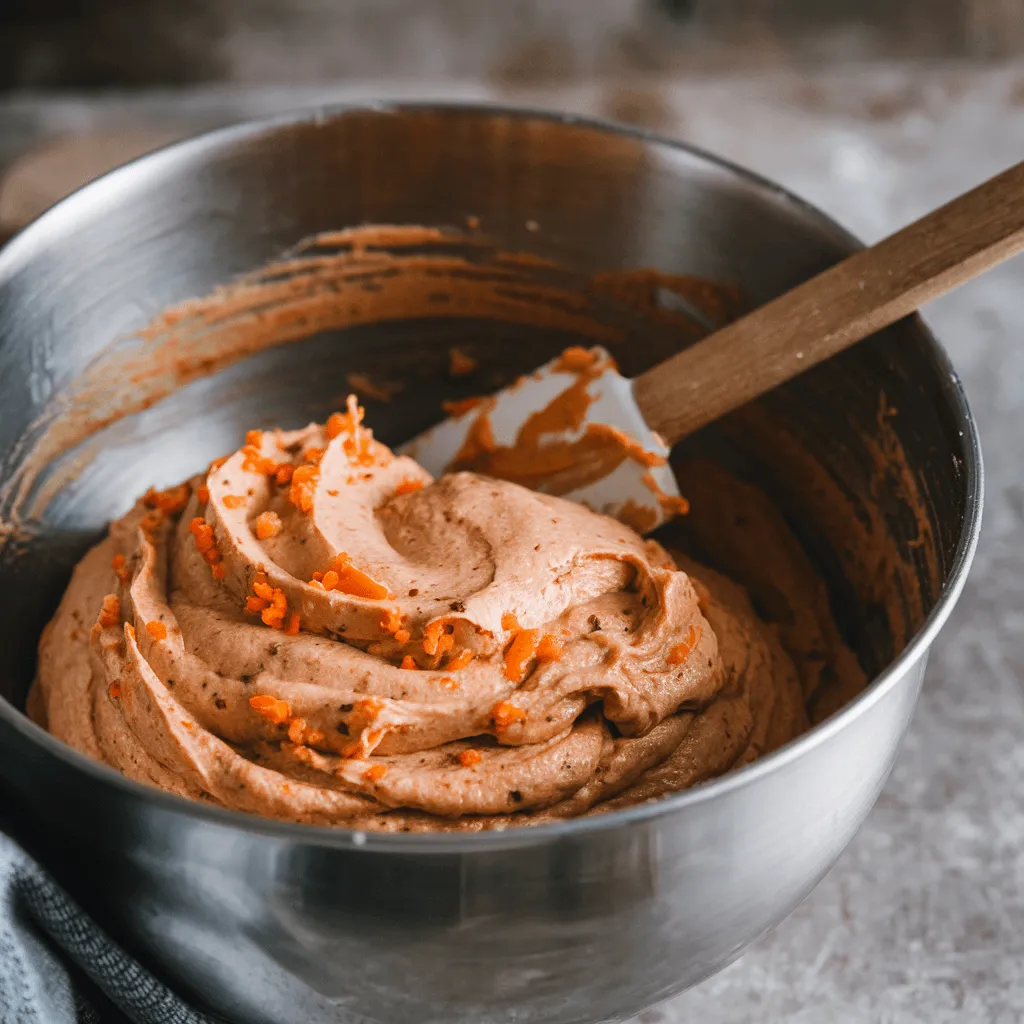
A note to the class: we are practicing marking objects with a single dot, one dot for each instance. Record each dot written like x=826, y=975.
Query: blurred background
x=85, y=85
x=74, y=44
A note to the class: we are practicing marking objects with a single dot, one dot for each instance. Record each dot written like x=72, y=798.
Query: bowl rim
x=346, y=837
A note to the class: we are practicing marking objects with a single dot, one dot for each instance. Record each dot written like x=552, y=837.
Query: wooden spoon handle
x=866, y=292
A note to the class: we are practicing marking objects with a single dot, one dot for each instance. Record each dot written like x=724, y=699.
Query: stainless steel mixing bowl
x=588, y=920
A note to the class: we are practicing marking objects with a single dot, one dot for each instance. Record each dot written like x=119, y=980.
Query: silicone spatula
x=554, y=440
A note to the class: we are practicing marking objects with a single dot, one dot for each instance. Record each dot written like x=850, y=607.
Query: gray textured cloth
x=58, y=967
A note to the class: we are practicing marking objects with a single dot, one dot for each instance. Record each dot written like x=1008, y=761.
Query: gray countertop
x=923, y=917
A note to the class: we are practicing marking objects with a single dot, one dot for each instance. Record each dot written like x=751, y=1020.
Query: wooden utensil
x=773, y=344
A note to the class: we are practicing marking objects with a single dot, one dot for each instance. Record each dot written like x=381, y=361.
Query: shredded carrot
x=355, y=582
x=460, y=364
x=110, y=612
x=680, y=652
x=150, y=523
x=461, y=660
x=402, y=636
x=283, y=473
x=469, y=758
x=375, y=772
x=369, y=707
x=271, y=605
x=203, y=534
x=314, y=456
x=171, y=501
x=303, y=487
x=519, y=653
x=270, y=707
x=268, y=524
x=448, y=683
x=408, y=662
x=330, y=580
x=120, y=566
x=509, y=621
x=549, y=648
x=297, y=731
x=157, y=630
x=391, y=621
x=114, y=690
x=335, y=425
x=437, y=639
x=408, y=485
x=254, y=438
x=235, y=501
x=505, y=714
x=274, y=615
x=203, y=493
x=255, y=461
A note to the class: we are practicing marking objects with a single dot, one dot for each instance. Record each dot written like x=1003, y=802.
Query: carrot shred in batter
x=268, y=524
x=460, y=661
x=549, y=648
x=344, y=577
x=506, y=714
x=438, y=638
x=205, y=544
x=519, y=653
x=157, y=630
x=277, y=711
x=110, y=611
x=681, y=651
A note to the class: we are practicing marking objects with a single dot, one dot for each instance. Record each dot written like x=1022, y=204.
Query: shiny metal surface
x=590, y=920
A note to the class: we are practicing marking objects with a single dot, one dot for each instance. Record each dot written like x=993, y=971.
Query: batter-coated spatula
x=578, y=428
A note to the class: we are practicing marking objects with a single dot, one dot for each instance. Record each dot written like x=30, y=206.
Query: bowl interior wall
x=183, y=222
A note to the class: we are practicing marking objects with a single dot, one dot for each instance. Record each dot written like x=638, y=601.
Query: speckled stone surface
x=923, y=917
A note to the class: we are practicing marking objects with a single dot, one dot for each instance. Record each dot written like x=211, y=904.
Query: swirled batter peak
x=316, y=630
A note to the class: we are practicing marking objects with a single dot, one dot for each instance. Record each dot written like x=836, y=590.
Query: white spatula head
x=573, y=429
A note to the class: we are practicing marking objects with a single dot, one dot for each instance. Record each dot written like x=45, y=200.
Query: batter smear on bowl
x=315, y=630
